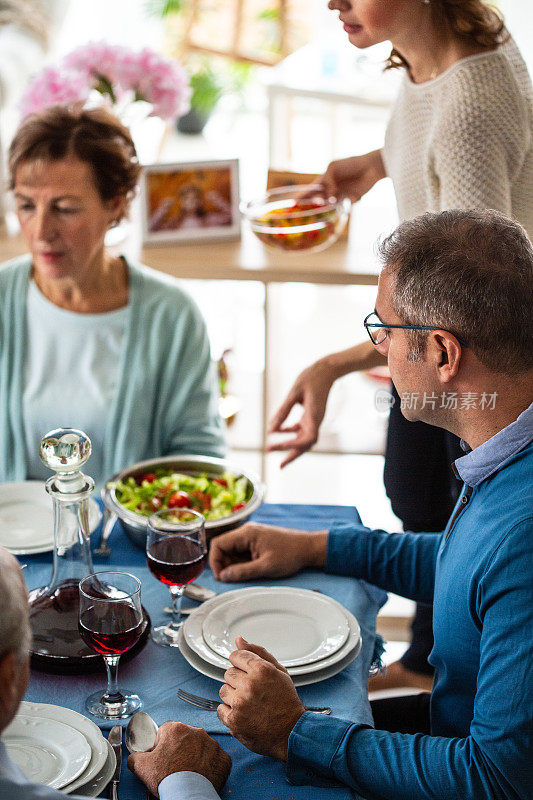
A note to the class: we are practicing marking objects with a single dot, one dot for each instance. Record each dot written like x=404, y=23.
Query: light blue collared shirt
x=178, y=786
x=481, y=463
x=187, y=786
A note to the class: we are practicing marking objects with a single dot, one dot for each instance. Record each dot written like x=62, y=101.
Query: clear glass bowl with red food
x=295, y=218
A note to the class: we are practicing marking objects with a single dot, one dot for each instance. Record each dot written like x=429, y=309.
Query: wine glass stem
x=176, y=592
x=112, y=692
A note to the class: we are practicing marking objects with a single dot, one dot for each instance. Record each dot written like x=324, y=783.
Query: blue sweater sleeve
x=495, y=761
x=403, y=563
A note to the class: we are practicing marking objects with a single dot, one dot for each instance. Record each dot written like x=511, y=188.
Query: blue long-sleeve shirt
x=479, y=574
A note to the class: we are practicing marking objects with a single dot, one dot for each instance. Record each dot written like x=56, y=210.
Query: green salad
x=213, y=497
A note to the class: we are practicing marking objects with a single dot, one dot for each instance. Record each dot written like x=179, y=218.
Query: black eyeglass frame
x=369, y=325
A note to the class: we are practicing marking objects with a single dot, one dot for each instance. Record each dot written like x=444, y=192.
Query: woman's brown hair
x=92, y=135
x=473, y=20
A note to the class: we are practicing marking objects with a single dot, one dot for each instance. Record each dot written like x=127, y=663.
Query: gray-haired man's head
x=15, y=637
x=470, y=272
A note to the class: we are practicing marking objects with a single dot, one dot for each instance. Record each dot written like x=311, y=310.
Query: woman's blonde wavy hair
x=475, y=20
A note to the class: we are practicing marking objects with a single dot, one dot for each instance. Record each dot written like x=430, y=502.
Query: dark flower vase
x=192, y=122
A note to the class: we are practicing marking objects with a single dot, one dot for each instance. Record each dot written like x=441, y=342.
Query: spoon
x=195, y=591
x=140, y=733
x=140, y=736
x=198, y=592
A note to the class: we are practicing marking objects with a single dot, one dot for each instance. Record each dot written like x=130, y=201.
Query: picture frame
x=190, y=201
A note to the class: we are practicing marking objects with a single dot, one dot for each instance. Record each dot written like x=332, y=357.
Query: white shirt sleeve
x=187, y=786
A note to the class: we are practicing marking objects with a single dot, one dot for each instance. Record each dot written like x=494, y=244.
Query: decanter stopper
x=64, y=451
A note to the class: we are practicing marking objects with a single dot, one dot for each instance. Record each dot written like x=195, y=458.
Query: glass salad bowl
x=296, y=218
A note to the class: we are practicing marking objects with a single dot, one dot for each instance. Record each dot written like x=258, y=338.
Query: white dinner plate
x=27, y=518
x=97, y=784
x=192, y=629
x=87, y=727
x=297, y=626
x=205, y=668
x=47, y=751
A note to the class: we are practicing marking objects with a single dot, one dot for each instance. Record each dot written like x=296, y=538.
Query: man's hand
x=181, y=748
x=264, y=551
x=260, y=704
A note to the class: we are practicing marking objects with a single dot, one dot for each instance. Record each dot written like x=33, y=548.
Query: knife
x=115, y=740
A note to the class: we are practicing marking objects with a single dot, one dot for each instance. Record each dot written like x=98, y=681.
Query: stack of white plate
x=312, y=635
x=27, y=518
x=60, y=748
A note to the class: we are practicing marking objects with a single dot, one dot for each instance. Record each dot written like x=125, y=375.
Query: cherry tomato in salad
x=238, y=506
x=156, y=503
x=220, y=481
x=201, y=500
x=179, y=500
x=150, y=477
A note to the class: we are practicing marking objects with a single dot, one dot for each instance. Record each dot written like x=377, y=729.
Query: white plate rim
x=217, y=674
x=29, y=491
x=321, y=601
x=77, y=765
x=84, y=725
x=198, y=646
x=97, y=784
x=37, y=493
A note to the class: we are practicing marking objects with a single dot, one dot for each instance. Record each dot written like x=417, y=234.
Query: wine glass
x=176, y=553
x=110, y=622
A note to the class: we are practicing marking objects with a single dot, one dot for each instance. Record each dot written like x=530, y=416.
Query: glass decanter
x=54, y=608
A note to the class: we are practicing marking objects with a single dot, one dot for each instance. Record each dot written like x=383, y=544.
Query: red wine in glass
x=110, y=637
x=111, y=621
x=53, y=618
x=176, y=559
x=176, y=553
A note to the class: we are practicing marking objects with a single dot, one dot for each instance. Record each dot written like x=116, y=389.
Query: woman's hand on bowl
x=353, y=177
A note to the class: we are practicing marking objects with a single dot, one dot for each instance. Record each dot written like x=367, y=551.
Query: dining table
x=156, y=673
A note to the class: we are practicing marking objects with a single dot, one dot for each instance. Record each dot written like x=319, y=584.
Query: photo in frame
x=190, y=201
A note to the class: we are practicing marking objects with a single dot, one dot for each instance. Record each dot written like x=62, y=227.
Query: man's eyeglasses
x=378, y=330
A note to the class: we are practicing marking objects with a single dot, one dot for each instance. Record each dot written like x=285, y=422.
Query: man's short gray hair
x=470, y=272
x=15, y=632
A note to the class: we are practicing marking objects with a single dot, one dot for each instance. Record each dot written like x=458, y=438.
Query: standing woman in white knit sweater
x=460, y=136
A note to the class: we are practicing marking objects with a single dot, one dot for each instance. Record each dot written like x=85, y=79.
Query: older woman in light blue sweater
x=87, y=339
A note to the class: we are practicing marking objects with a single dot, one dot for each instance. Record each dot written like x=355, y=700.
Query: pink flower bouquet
x=115, y=75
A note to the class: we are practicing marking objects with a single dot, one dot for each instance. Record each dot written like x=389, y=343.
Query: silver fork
x=108, y=523
x=211, y=705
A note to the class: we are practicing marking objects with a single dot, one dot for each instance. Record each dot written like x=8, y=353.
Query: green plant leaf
x=206, y=90
x=164, y=8
x=269, y=13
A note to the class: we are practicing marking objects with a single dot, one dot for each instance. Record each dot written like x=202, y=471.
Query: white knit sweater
x=465, y=139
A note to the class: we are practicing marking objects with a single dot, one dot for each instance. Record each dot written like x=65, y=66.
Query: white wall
x=118, y=21
x=519, y=17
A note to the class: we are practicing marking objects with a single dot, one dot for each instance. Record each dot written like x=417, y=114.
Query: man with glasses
x=453, y=318
x=378, y=330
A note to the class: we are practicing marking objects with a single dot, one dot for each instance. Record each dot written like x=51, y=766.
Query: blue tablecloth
x=157, y=673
